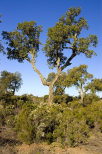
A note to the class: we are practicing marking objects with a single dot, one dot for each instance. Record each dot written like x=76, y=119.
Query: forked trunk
x=44, y=81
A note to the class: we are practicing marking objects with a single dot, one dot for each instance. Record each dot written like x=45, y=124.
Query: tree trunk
x=13, y=92
x=44, y=81
x=51, y=87
x=82, y=96
x=51, y=95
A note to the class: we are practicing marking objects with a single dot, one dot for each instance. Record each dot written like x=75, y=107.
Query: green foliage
x=66, y=122
x=10, y=106
x=60, y=84
x=95, y=85
x=79, y=75
x=36, y=124
x=90, y=98
x=7, y=115
x=2, y=120
x=74, y=104
x=61, y=99
x=24, y=125
x=72, y=129
x=23, y=40
x=23, y=44
x=10, y=82
x=69, y=125
x=66, y=35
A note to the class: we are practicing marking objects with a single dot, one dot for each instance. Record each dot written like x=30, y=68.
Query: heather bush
x=63, y=123
x=60, y=99
x=23, y=126
x=6, y=112
x=72, y=129
x=94, y=115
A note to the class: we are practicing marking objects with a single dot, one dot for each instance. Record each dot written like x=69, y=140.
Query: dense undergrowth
x=66, y=122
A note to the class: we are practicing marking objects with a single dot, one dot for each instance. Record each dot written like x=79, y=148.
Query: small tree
x=79, y=77
x=60, y=84
x=10, y=82
x=23, y=44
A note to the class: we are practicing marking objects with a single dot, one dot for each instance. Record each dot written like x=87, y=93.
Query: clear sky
x=46, y=13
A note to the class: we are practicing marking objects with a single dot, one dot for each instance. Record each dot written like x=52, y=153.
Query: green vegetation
x=56, y=118
x=68, y=123
x=24, y=43
x=10, y=82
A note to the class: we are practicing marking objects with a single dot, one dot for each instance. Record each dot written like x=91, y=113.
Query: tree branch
x=68, y=62
x=43, y=80
x=56, y=76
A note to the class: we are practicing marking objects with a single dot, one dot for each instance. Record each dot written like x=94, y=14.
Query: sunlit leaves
x=79, y=75
x=66, y=35
x=23, y=40
x=10, y=82
x=95, y=85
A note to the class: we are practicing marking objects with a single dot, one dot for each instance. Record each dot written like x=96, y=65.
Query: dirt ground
x=10, y=145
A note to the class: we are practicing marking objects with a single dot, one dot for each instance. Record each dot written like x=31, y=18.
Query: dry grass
x=10, y=145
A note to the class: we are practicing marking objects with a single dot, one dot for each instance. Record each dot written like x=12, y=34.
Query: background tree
x=23, y=44
x=79, y=77
x=60, y=84
x=10, y=82
x=95, y=86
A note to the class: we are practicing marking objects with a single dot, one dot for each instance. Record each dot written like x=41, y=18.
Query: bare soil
x=10, y=145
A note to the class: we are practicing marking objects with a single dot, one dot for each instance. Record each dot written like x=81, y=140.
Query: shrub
x=89, y=98
x=72, y=129
x=94, y=115
x=60, y=99
x=10, y=121
x=37, y=124
x=5, y=112
x=24, y=127
x=68, y=124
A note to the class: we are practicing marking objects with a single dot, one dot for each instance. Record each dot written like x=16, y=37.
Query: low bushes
x=66, y=122
x=69, y=125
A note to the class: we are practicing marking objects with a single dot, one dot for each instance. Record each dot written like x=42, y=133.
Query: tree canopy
x=95, y=85
x=60, y=84
x=79, y=77
x=23, y=44
x=10, y=82
x=66, y=35
x=23, y=41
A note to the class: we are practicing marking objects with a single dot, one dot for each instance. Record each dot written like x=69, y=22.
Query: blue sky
x=46, y=13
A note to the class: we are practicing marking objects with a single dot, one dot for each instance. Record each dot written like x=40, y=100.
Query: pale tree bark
x=50, y=98
x=82, y=96
x=51, y=87
x=82, y=93
x=33, y=61
x=44, y=80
